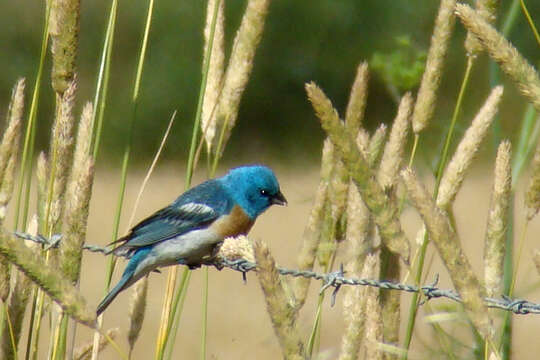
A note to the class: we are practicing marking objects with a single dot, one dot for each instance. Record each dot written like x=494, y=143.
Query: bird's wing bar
x=167, y=223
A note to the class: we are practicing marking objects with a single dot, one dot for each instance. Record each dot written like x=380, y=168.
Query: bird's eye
x=264, y=193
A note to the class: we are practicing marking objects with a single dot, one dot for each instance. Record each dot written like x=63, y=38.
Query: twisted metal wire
x=333, y=279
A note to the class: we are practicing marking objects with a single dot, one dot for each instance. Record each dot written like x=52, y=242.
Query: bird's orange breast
x=235, y=223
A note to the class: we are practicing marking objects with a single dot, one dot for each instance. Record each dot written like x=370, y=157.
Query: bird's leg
x=215, y=250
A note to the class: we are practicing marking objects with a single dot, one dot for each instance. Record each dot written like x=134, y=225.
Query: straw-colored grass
x=356, y=215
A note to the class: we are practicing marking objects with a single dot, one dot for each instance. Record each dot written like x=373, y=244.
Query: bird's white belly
x=188, y=248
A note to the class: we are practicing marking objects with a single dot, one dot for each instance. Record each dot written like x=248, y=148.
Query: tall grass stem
x=125, y=160
x=102, y=85
x=413, y=308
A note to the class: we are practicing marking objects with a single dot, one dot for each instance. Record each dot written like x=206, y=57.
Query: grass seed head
x=497, y=222
x=429, y=87
x=501, y=50
x=455, y=171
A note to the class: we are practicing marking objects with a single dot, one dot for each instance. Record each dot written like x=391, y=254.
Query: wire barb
x=334, y=279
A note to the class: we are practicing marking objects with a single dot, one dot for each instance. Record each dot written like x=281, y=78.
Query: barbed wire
x=334, y=279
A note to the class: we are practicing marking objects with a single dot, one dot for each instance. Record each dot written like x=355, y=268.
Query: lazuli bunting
x=192, y=227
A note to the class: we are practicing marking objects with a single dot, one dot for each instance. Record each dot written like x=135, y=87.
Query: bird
x=193, y=226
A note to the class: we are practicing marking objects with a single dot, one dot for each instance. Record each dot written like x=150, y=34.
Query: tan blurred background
x=238, y=325
x=320, y=41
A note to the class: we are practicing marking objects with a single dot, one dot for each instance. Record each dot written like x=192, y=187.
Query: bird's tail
x=128, y=278
x=122, y=284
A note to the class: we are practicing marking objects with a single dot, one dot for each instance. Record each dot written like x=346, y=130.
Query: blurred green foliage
x=402, y=69
x=304, y=40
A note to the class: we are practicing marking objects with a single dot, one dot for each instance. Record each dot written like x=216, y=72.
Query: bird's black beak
x=278, y=199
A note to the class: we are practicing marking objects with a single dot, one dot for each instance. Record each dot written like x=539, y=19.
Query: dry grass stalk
x=75, y=221
x=500, y=49
x=468, y=147
x=61, y=152
x=16, y=307
x=357, y=99
x=236, y=248
x=336, y=201
x=41, y=176
x=313, y=230
x=85, y=351
x=497, y=222
x=17, y=301
x=5, y=276
x=215, y=71
x=6, y=188
x=359, y=233
x=390, y=308
x=279, y=305
x=374, y=322
x=240, y=64
x=64, y=32
x=487, y=9
x=384, y=210
x=338, y=189
x=448, y=245
x=359, y=237
x=84, y=138
x=77, y=199
x=137, y=307
x=328, y=235
x=362, y=142
x=334, y=173
x=532, y=196
x=376, y=146
x=387, y=175
x=311, y=239
x=390, y=301
x=354, y=302
x=393, y=151
x=49, y=279
x=427, y=94
x=9, y=149
x=10, y=140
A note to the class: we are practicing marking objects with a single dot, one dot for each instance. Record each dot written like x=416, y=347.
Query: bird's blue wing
x=195, y=209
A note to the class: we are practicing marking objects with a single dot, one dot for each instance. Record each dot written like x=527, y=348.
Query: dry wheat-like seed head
x=487, y=9
x=10, y=140
x=234, y=248
x=383, y=208
x=240, y=64
x=279, y=305
x=427, y=94
x=454, y=173
x=373, y=322
x=392, y=158
x=357, y=99
x=216, y=67
x=354, y=311
x=532, y=196
x=494, y=248
x=502, y=51
x=85, y=352
x=449, y=248
x=64, y=32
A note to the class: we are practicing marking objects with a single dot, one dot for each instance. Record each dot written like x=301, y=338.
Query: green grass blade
x=28, y=147
x=127, y=152
x=102, y=86
x=413, y=308
x=530, y=21
x=165, y=327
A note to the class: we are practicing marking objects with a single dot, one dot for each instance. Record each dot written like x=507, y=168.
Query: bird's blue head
x=254, y=188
